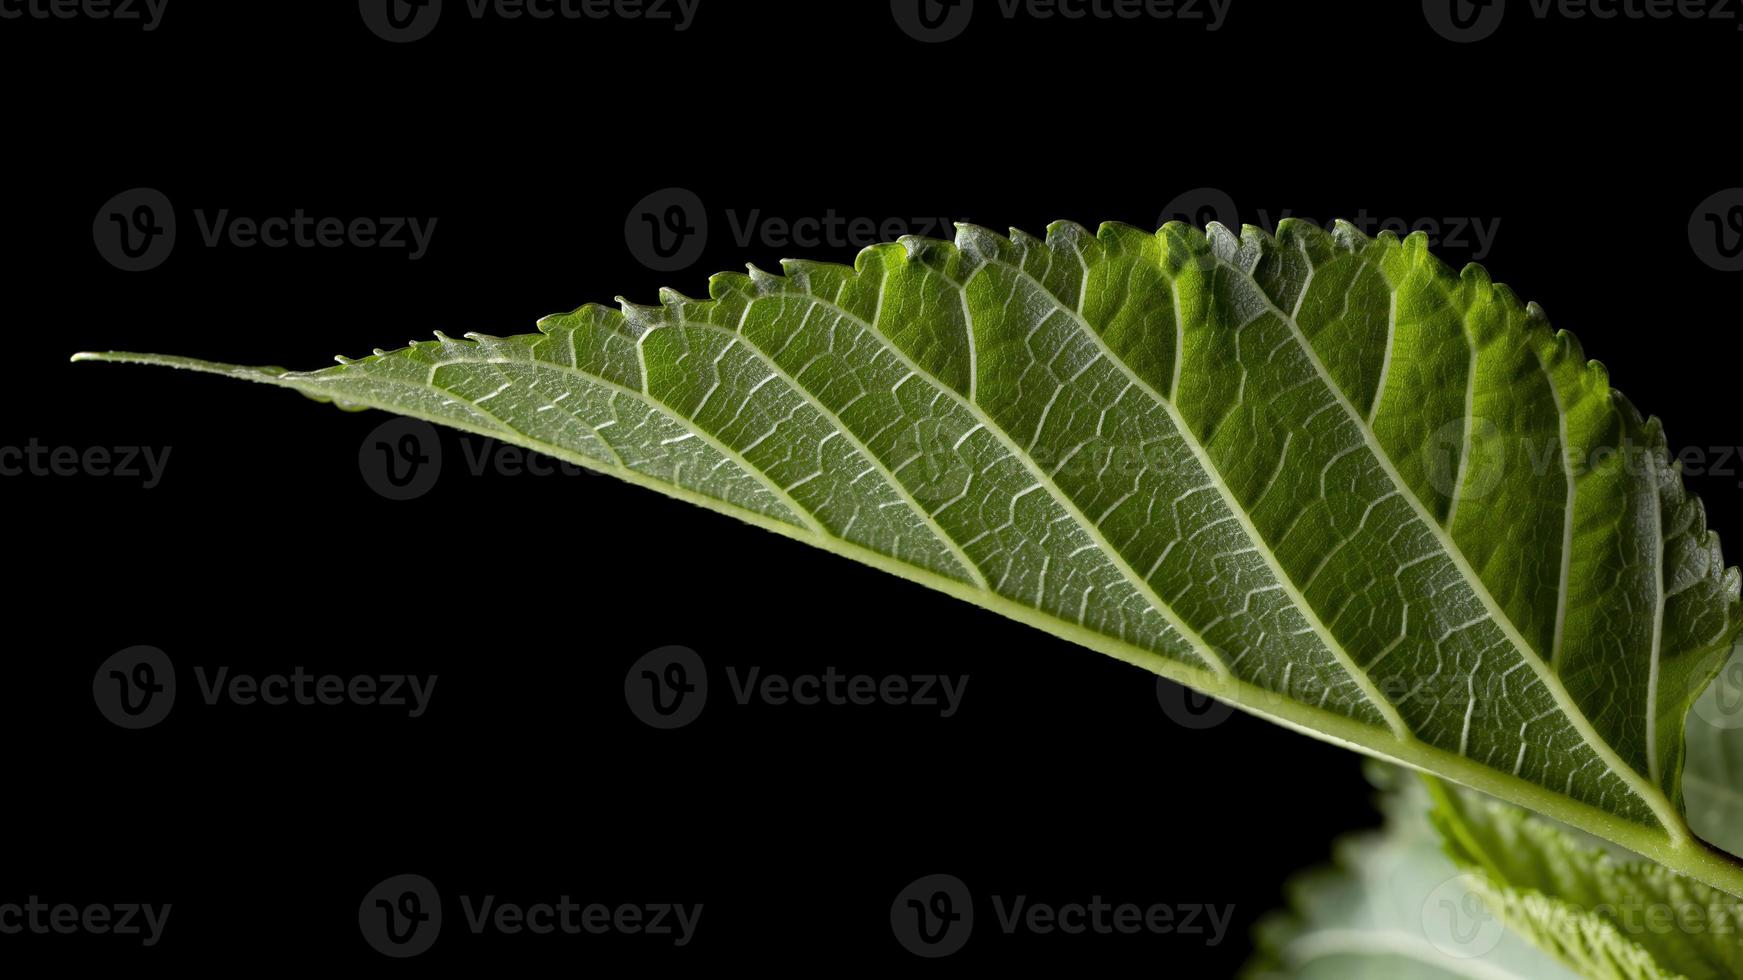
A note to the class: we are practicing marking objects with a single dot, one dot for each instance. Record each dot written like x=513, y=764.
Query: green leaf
x=1605, y=915
x=1393, y=906
x=1713, y=780
x=1319, y=476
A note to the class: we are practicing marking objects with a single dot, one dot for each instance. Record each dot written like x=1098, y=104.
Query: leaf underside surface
x=1321, y=476
x=1607, y=917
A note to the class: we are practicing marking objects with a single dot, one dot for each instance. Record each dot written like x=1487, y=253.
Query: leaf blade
x=1062, y=431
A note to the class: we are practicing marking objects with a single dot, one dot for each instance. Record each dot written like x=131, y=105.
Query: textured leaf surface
x=1713, y=781
x=1320, y=476
x=1605, y=916
x=1393, y=906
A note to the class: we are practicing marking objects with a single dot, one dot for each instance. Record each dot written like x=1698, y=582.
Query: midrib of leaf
x=1648, y=792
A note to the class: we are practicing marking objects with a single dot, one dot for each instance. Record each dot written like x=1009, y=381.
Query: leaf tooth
x=1568, y=345
x=640, y=318
x=765, y=281
x=1222, y=243
x=672, y=299
x=1255, y=237
x=980, y=245
x=1417, y=239
x=1113, y=231
x=797, y=273
x=1477, y=277
x=722, y=285
x=1191, y=237
x=555, y=321
x=1416, y=243
x=883, y=254
x=913, y=247
x=1293, y=231
x=1341, y=229
x=1066, y=230
x=342, y=359
x=1019, y=237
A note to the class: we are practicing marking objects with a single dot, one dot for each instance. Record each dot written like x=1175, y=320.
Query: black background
x=1591, y=142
